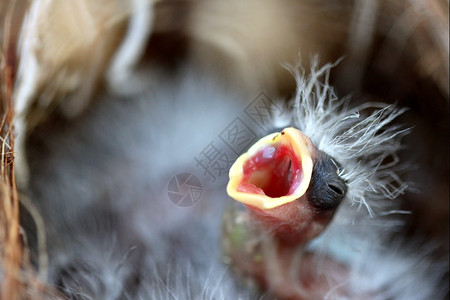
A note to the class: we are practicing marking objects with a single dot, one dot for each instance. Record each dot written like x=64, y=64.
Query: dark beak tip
x=327, y=188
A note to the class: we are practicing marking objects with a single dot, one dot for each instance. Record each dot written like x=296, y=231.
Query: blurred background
x=60, y=69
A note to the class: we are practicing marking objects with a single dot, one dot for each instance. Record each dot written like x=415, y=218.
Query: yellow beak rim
x=301, y=146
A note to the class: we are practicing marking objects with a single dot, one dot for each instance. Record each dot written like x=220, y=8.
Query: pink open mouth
x=276, y=170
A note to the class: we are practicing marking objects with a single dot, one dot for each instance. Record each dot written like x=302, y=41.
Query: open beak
x=276, y=170
x=289, y=184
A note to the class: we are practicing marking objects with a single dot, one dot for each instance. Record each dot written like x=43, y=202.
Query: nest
x=18, y=277
x=396, y=46
x=11, y=247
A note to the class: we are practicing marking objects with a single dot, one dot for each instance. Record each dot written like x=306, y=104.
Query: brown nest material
x=18, y=279
x=11, y=250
